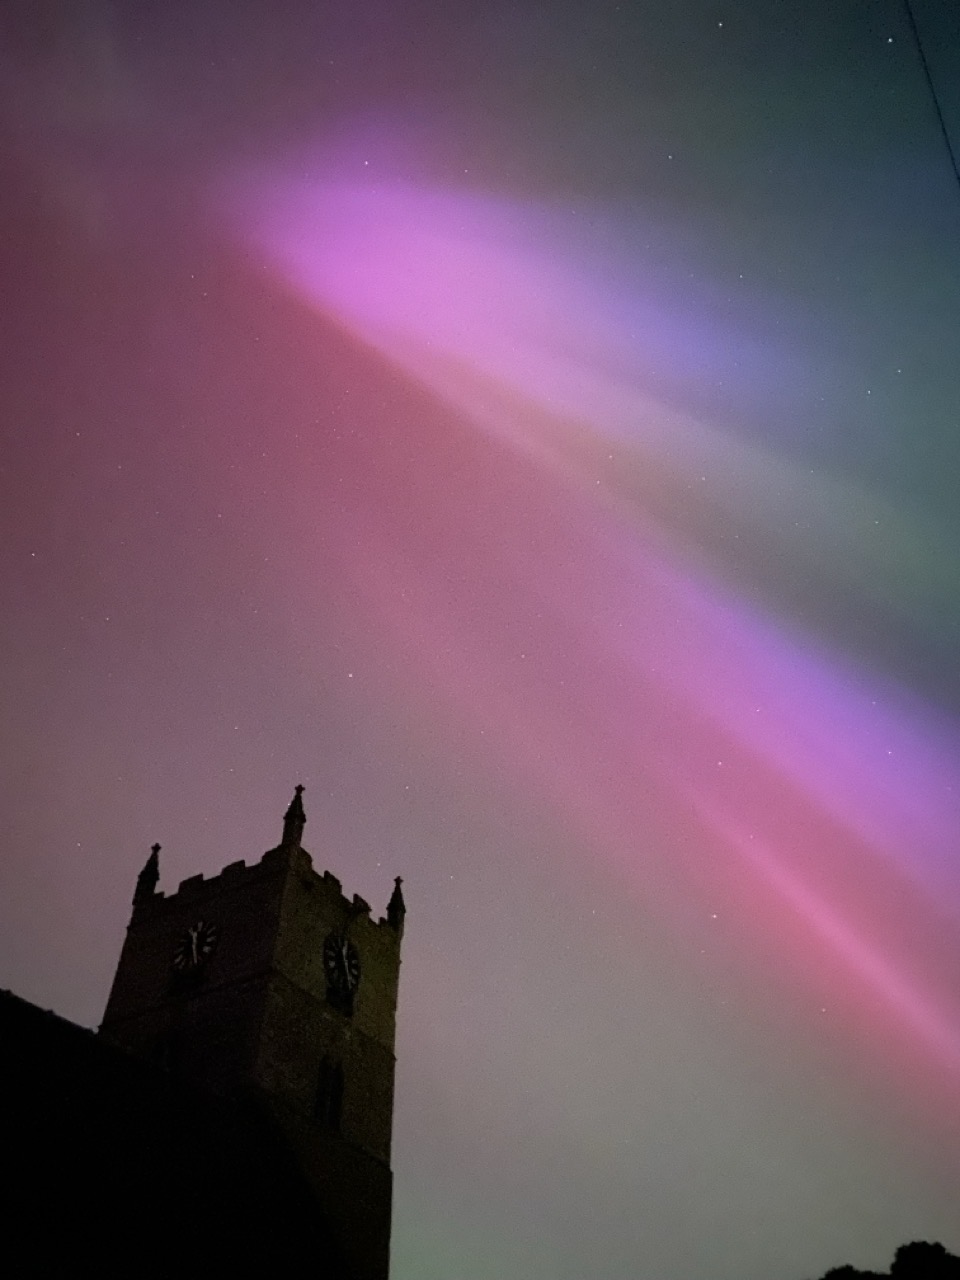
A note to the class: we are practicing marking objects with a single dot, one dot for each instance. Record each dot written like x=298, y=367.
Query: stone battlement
x=200, y=886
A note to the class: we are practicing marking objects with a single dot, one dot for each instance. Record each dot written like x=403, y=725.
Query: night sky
x=535, y=427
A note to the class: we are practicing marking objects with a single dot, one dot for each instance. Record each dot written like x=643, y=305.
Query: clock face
x=341, y=963
x=195, y=946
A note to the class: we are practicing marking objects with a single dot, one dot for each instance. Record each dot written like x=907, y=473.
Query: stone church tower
x=266, y=985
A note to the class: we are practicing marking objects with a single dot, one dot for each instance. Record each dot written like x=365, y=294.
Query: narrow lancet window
x=329, y=1100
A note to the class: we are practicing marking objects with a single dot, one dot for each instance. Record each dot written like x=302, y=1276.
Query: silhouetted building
x=235, y=1111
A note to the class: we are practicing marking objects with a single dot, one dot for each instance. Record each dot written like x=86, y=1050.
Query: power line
x=933, y=89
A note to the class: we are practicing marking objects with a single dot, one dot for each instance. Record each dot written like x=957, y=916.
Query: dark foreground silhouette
x=917, y=1261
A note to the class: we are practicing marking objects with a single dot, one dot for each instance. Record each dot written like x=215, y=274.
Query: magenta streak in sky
x=919, y=1013
x=874, y=757
x=822, y=798
x=591, y=736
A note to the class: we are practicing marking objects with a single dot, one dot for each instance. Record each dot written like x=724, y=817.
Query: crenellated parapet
x=148, y=899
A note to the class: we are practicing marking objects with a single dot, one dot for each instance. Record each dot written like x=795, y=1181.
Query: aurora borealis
x=535, y=429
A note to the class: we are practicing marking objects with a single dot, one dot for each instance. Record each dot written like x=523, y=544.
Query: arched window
x=328, y=1104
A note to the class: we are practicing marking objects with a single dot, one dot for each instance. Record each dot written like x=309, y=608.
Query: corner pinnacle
x=148, y=877
x=294, y=820
x=396, y=907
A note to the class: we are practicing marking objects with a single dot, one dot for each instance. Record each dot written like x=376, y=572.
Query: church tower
x=266, y=985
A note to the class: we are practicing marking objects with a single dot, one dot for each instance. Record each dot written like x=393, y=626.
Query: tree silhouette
x=922, y=1261
x=916, y=1261
x=851, y=1273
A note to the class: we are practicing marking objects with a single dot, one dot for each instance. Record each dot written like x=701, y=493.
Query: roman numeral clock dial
x=341, y=964
x=195, y=946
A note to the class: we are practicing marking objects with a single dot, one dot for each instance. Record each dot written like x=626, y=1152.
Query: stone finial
x=396, y=907
x=148, y=877
x=294, y=820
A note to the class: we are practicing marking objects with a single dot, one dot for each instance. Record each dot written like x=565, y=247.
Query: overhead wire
x=915, y=31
